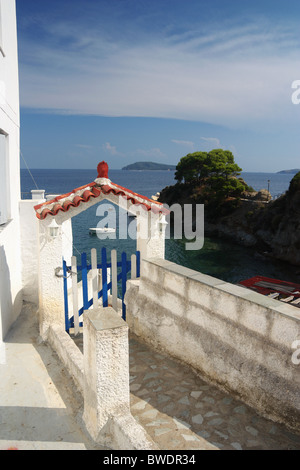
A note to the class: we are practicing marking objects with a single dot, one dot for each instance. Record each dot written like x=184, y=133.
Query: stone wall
x=237, y=339
x=101, y=375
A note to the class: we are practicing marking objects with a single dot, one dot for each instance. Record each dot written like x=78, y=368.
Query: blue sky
x=134, y=80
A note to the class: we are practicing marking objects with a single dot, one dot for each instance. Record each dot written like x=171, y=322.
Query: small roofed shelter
x=56, y=240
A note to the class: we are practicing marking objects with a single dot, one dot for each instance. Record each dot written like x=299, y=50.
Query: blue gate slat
x=100, y=294
x=124, y=279
x=125, y=266
x=138, y=263
x=67, y=322
x=71, y=322
x=104, y=277
x=99, y=266
x=84, y=281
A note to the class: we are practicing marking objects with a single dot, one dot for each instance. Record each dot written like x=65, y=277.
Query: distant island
x=149, y=166
x=292, y=172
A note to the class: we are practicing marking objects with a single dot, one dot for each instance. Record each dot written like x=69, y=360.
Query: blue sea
x=218, y=258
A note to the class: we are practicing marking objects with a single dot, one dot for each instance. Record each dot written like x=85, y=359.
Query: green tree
x=221, y=163
x=295, y=183
x=215, y=170
x=190, y=167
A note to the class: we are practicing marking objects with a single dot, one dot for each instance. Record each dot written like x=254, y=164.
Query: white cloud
x=153, y=153
x=84, y=146
x=111, y=149
x=185, y=143
x=232, y=77
x=212, y=141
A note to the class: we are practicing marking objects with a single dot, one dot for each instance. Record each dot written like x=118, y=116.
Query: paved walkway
x=39, y=407
x=41, y=410
x=180, y=411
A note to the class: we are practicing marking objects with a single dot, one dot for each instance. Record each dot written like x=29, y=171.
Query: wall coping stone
x=235, y=290
x=105, y=320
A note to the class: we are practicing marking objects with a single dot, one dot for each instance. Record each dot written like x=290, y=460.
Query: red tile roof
x=101, y=186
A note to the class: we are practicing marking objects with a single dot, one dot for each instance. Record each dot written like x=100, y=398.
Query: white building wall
x=10, y=250
x=50, y=257
x=29, y=249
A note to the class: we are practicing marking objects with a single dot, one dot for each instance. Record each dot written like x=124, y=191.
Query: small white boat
x=94, y=230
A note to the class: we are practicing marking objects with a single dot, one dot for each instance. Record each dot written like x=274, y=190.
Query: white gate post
x=151, y=229
x=106, y=371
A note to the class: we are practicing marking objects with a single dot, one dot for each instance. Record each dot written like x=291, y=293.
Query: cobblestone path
x=182, y=412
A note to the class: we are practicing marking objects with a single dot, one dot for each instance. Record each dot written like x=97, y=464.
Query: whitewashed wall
x=51, y=253
x=10, y=249
x=30, y=248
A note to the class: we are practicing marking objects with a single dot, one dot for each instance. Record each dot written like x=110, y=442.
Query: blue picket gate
x=118, y=271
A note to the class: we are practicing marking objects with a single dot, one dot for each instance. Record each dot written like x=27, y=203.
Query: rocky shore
x=272, y=227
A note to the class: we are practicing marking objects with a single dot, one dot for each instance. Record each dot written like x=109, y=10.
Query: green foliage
x=215, y=170
x=190, y=167
x=221, y=163
x=295, y=184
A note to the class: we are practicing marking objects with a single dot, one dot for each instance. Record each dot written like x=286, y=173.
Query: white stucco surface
x=106, y=382
x=10, y=247
x=52, y=250
x=29, y=249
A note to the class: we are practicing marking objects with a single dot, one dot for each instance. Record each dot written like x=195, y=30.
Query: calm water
x=217, y=258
